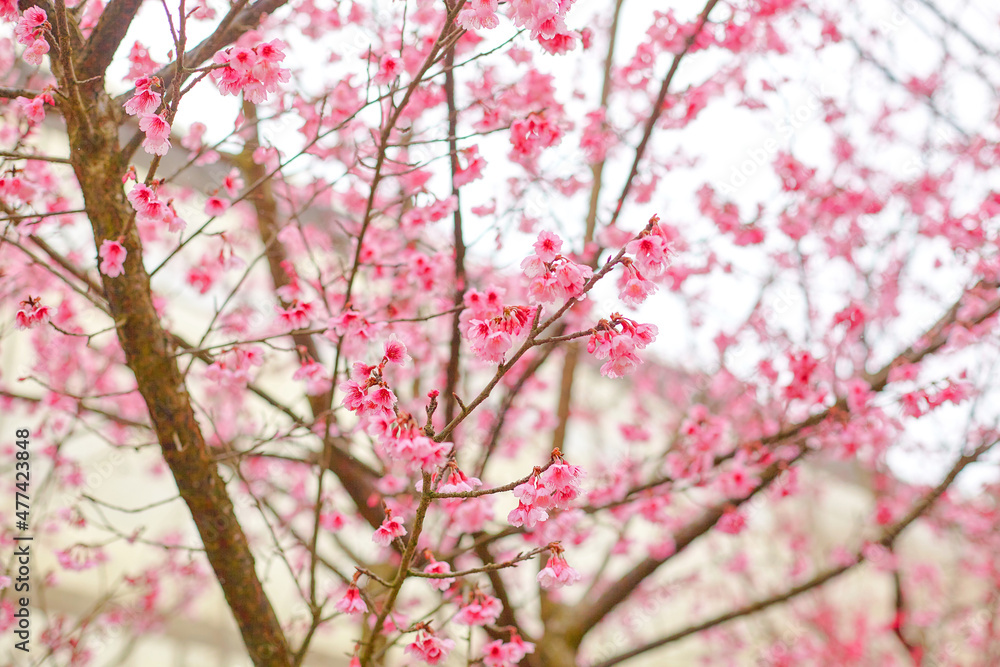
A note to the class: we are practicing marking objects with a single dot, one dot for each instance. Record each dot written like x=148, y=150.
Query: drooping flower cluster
x=405, y=443
x=533, y=501
x=34, y=108
x=651, y=250
x=150, y=209
x=507, y=654
x=553, y=277
x=479, y=14
x=617, y=340
x=633, y=287
x=530, y=135
x=232, y=367
x=113, y=256
x=157, y=129
x=555, y=488
x=544, y=18
x=145, y=100
x=391, y=528
x=30, y=30
x=557, y=572
x=491, y=337
x=144, y=103
x=255, y=72
x=480, y=609
x=367, y=394
x=438, y=567
x=352, y=603
x=31, y=313
x=429, y=647
x=297, y=315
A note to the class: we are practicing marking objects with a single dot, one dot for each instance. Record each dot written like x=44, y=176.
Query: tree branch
x=887, y=538
x=106, y=37
x=237, y=22
x=149, y=353
x=451, y=382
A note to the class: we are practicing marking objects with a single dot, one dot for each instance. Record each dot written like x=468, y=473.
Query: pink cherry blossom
x=157, y=141
x=438, y=567
x=547, y=246
x=34, y=108
x=113, y=255
x=297, y=315
x=479, y=14
x=430, y=648
x=391, y=528
x=31, y=313
x=216, y=206
x=29, y=30
x=145, y=100
x=557, y=573
x=481, y=609
x=352, y=603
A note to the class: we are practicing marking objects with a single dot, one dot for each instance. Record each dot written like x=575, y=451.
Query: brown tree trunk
x=92, y=121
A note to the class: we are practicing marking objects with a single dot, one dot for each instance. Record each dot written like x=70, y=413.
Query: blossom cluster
x=255, y=72
x=30, y=30
x=368, y=395
x=557, y=572
x=144, y=103
x=651, y=249
x=296, y=315
x=34, y=108
x=150, y=209
x=352, y=603
x=112, y=254
x=391, y=528
x=499, y=653
x=479, y=609
x=31, y=313
x=544, y=19
x=468, y=514
x=530, y=135
x=438, y=567
x=553, y=277
x=365, y=379
x=555, y=488
x=491, y=331
x=617, y=339
x=403, y=442
x=232, y=367
x=430, y=648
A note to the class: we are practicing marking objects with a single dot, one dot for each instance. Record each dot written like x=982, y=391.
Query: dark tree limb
x=92, y=128
x=106, y=37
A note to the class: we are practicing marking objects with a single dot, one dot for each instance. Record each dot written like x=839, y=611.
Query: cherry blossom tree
x=461, y=322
